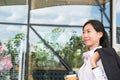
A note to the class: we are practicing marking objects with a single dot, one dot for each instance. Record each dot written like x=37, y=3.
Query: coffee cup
x=71, y=77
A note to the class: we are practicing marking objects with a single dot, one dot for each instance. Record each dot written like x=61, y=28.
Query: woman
x=94, y=36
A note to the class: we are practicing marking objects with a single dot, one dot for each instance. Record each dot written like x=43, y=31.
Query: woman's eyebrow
x=86, y=29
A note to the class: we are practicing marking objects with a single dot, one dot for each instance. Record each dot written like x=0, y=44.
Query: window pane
x=70, y=15
x=118, y=21
x=12, y=39
x=46, y=64
x=117, y=27
x=13, y=13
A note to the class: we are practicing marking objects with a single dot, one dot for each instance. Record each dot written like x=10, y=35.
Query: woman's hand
x=94, y=59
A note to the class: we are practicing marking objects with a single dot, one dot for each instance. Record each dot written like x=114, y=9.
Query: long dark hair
x=99, y=27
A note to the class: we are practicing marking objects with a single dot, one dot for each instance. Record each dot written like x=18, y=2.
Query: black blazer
x=111, y=63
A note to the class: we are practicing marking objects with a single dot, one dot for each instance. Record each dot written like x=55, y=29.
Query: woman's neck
x=93, y=47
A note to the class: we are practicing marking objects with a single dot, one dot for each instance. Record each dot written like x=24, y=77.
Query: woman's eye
x=88, y=31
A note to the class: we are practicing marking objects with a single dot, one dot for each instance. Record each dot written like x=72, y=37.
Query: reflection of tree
x=5, y=64
x=71, y=52
x=118, y=53
x=12, y=48
x=118, y=35
x=44, y=57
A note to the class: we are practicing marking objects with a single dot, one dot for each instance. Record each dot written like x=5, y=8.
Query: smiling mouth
x=86, y=40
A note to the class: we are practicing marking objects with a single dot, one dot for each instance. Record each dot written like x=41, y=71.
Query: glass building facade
x=43, y=37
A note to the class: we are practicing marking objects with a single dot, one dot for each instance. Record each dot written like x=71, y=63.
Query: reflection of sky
x=47, y=34
x=13, y=13
x=118, y=12
x=71, y=15
x=8, y=32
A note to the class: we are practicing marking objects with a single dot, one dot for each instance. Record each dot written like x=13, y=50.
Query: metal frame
x=50, y=25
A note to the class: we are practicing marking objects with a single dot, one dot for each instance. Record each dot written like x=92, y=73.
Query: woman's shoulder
x=85, y=53
x=107, y=51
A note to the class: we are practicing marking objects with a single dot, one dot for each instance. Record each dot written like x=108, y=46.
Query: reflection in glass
x=13, y=39
x=14, y=13
x=118, y=35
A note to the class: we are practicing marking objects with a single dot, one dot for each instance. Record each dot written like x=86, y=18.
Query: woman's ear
x=100, y=34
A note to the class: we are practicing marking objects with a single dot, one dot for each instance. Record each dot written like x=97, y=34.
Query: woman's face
x=91, y=37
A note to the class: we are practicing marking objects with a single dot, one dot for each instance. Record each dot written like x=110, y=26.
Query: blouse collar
x=91, y=52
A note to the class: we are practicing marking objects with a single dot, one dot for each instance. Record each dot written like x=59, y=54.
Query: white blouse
x=86, y=72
